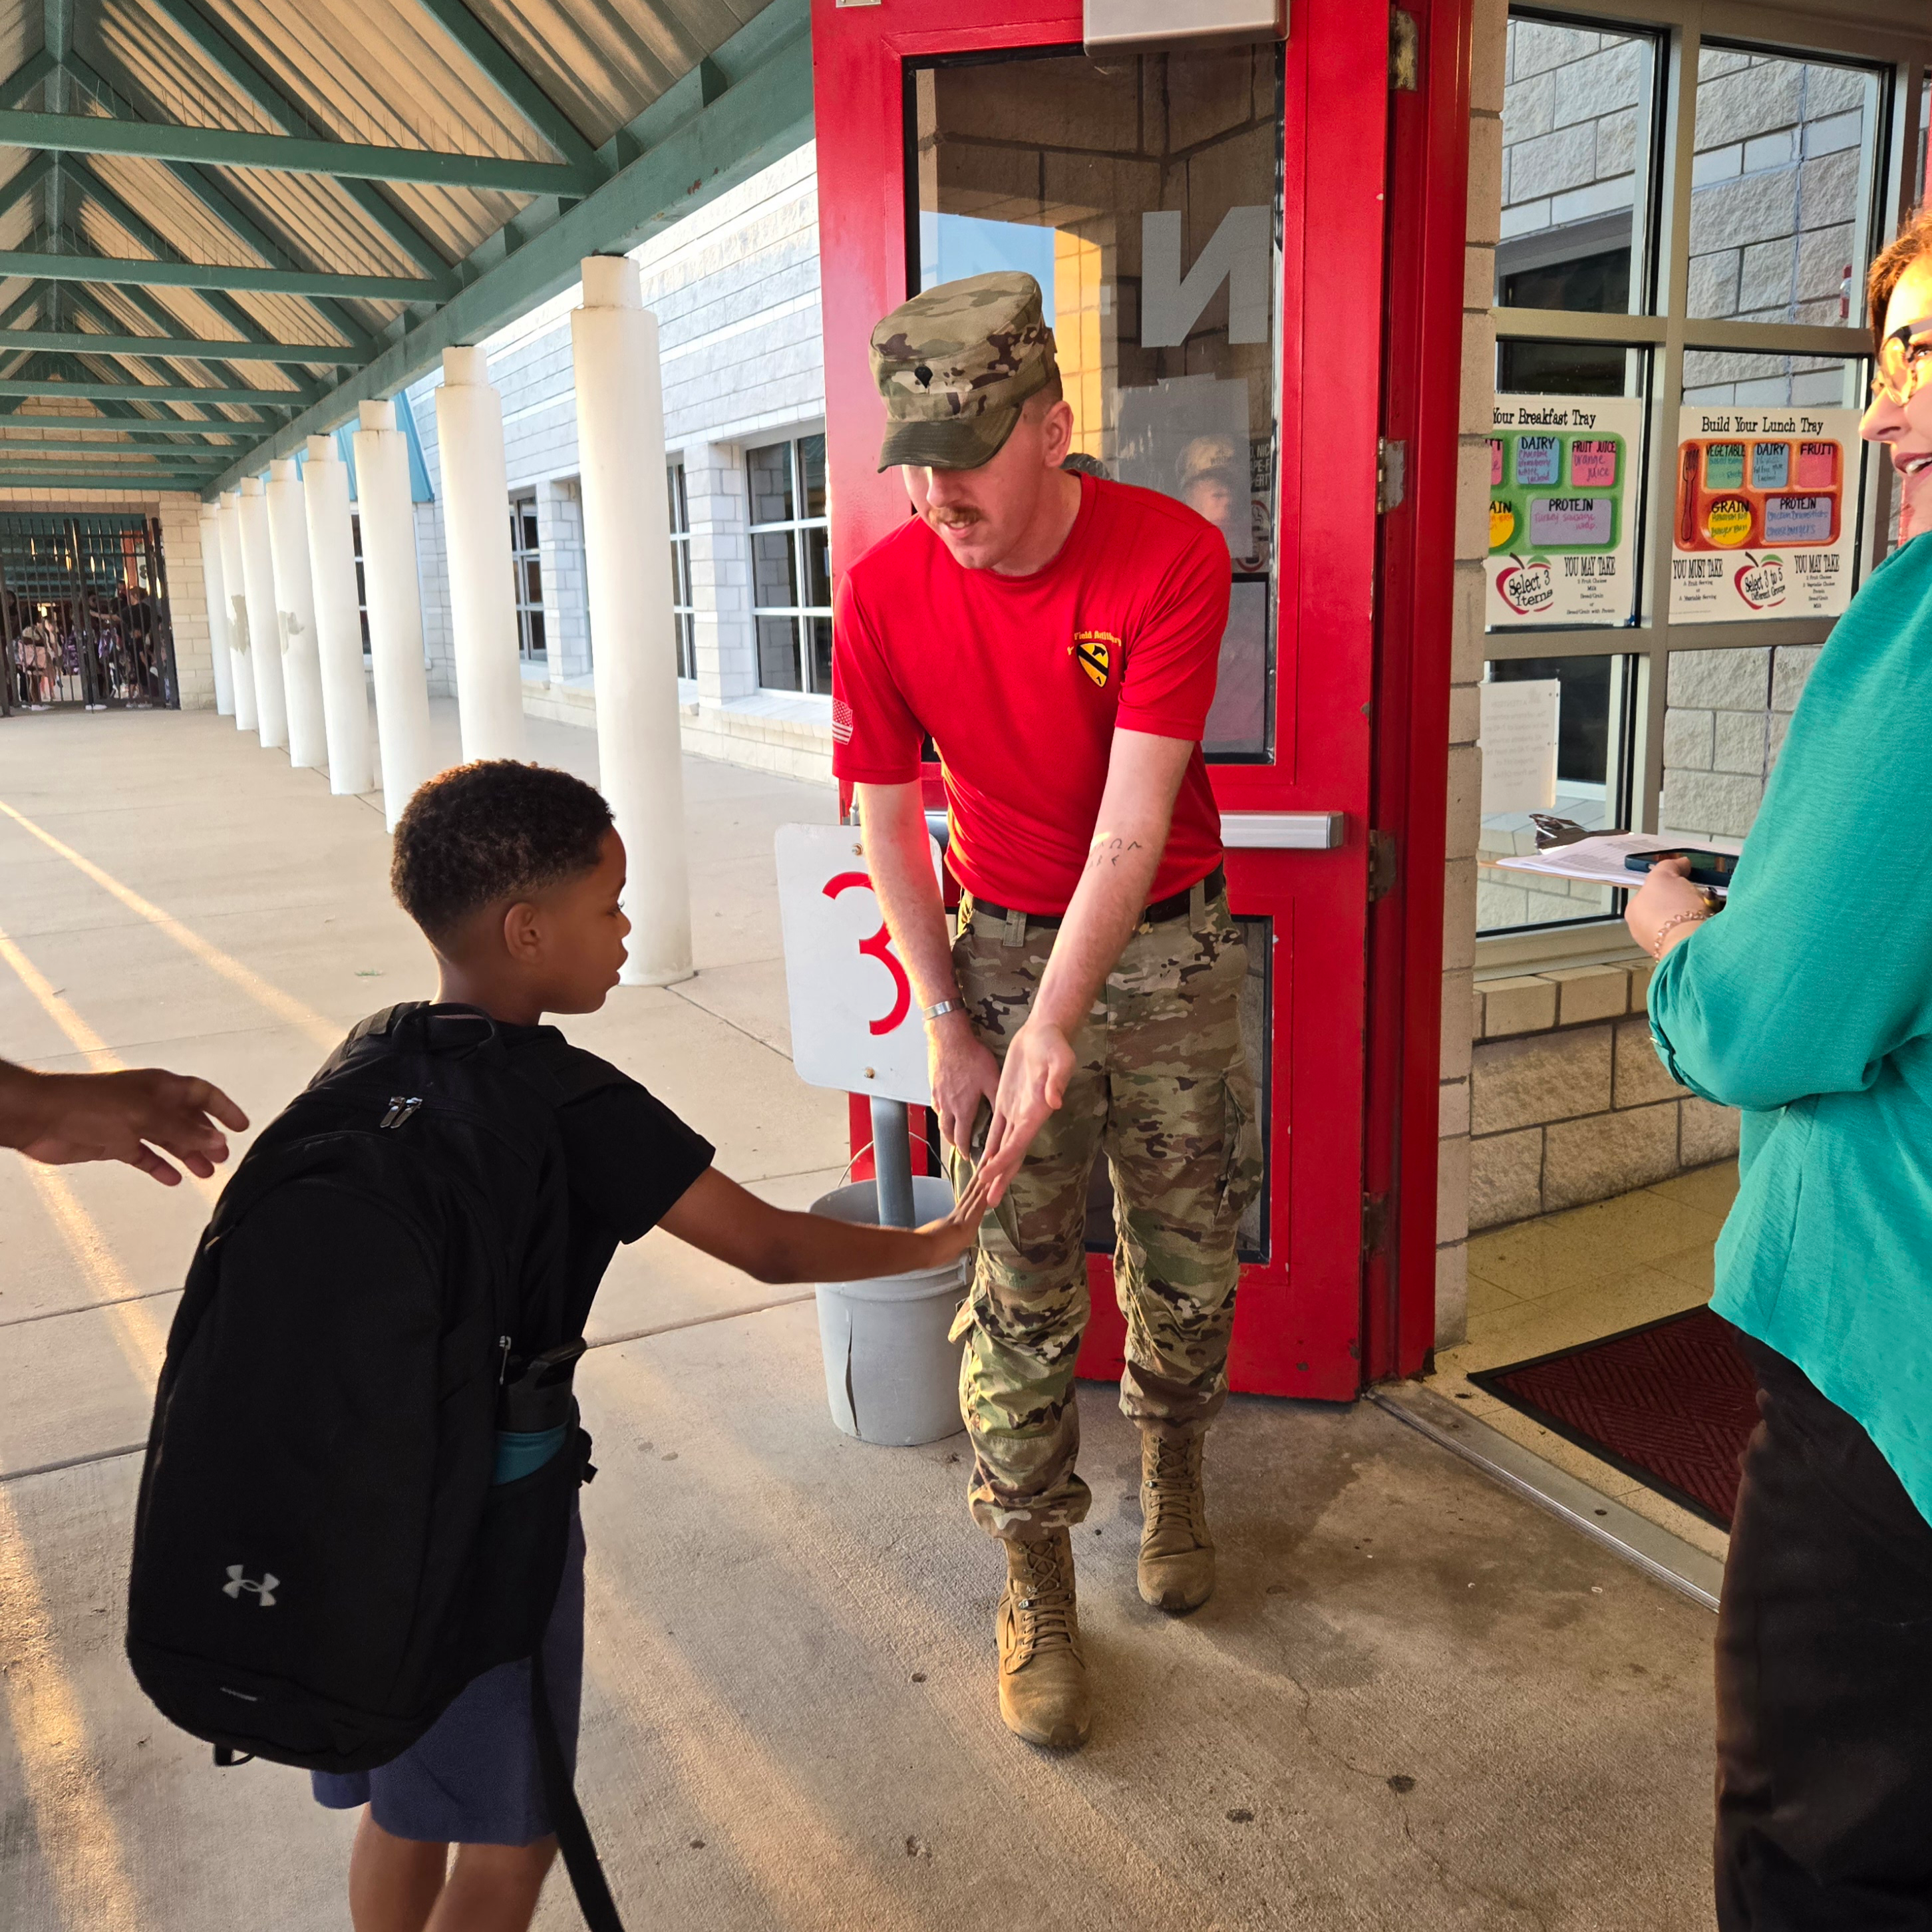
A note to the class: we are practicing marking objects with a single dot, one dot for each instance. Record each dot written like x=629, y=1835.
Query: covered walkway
x=1415, y=1702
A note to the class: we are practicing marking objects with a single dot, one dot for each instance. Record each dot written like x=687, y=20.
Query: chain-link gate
x=84, y=614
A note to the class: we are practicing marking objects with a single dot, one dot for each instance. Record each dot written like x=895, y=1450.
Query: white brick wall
x=180, y=516
x=735, y=290
x=433, y=585
x=566, y=590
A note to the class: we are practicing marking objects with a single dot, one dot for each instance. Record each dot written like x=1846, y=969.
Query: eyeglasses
x=1903, y=357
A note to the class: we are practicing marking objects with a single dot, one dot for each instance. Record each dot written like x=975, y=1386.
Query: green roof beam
x=226, y=148
x=25, y=78
x=212, y=194
x=86, y=301
x=212, y=41
x=505, y=73
x=213, y=275
x=140, y=463
x=187, y=454
x=157, y=392
x=185, y=349
x=766, y=112
x=188, y=480
x=145, y=429
x=25, y=181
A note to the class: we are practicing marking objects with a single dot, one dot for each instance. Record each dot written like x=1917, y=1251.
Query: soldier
x=1056, y=635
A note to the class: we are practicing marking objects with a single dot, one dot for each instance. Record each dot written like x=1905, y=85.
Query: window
x=1101, y=179
x=361, y=581
x=526, y=578
x=683, y=618
x=1679, y=503
x=791, y=565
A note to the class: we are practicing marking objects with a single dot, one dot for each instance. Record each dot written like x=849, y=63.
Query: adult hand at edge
x=963, y=1074
x=1033, y=1084
x=125, y=1116
x=1666, y=893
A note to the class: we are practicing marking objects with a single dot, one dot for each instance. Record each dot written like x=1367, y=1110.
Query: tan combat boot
x=1043, y=1694
x=1177, y=1566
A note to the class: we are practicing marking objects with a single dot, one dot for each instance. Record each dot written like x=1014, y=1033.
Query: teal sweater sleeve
x=1819, y=968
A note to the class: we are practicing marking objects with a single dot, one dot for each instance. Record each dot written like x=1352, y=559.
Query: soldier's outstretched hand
x=1033, y=1084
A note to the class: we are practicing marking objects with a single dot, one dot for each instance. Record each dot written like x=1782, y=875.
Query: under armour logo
x=264, y=1592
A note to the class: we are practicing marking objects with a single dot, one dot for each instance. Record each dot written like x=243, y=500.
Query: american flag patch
x=841, y=721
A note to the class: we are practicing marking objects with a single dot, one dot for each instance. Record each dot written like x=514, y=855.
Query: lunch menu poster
x=1561, y=541
x=1766, y=514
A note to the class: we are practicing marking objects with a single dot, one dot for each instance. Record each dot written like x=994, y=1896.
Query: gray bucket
x=891, y=1375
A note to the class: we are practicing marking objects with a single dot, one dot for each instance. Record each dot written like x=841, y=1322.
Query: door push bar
x=1283, y=831
x=1246, y=831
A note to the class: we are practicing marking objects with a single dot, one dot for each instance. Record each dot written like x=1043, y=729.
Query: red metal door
x=1300, y=1328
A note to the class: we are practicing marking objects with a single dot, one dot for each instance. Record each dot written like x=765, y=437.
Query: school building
x=1516, y=352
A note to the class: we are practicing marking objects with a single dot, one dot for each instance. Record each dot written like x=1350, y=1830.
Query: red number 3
x=879, y=947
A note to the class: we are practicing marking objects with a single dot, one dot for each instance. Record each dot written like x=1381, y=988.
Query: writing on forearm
x=1109, y=850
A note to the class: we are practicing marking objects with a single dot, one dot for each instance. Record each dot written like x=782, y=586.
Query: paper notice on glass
x=1766, y=514
x=1519, y=720
x=1562, y=544
x=1599, y=860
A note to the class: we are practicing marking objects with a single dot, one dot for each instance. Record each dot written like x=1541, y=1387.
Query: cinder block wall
x=1569, y=1103
x=1728, y=712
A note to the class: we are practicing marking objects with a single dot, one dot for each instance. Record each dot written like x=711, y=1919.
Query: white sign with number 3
x=854, y=1023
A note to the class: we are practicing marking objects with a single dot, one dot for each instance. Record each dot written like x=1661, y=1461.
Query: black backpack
x=321, y=1561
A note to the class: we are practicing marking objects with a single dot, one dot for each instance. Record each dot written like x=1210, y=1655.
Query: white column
x=338, y=624
x=395, y=606
x=228, y=520
x=295, y=616
x=476, y=528
x=620, y=439
x=218, y=611
x=258, y=585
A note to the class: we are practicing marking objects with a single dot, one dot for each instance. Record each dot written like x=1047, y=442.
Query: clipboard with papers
x=1598, y=858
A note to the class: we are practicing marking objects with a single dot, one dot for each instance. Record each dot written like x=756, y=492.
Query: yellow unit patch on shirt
x=1093, y=650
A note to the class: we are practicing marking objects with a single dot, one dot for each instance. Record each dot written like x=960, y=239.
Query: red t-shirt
x=1022, y=681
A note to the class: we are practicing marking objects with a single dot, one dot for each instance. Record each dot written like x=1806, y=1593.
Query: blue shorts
x=471, y=1778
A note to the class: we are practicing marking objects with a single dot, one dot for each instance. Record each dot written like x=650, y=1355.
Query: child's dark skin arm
x=770, y=1244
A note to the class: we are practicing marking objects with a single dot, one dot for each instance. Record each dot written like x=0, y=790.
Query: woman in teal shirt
x=1808, y=1004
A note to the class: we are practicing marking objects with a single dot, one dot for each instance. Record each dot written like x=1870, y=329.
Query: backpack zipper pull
x=503, y=1371
x=401, y=1107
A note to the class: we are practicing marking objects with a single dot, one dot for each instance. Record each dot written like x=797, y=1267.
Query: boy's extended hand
x=959, y=1230
x=772, y=1244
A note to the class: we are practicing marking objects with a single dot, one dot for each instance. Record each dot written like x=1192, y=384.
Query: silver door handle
x=1283, y=831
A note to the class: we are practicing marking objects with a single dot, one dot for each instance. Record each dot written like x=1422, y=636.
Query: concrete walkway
x=1415, y=1702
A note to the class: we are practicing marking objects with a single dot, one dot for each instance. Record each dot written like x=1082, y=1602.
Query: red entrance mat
x=1671, y=1403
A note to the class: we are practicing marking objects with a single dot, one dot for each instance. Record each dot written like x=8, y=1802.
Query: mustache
x=959, y=519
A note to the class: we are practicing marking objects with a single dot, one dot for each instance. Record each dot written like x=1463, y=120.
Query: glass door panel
x=1144, y=196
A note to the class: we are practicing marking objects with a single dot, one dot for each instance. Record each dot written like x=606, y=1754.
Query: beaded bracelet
x=1677, y=919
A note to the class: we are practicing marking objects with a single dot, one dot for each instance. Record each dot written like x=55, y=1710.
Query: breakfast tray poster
x=1766, y=514
x=1562, y=536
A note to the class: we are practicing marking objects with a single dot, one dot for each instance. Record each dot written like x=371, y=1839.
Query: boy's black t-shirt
x=628, y=1157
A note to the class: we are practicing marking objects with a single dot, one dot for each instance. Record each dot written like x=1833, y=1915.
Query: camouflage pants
x=1161, y=1083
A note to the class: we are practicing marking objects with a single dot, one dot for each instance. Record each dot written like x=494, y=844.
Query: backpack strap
x=566, y=1816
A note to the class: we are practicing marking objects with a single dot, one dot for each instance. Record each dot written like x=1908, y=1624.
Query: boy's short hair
x=490, y=831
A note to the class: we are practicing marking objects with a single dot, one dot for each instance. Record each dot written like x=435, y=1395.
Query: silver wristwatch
x=939, y=1008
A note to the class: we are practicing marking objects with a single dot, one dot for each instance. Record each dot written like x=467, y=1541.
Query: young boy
x=513, y=873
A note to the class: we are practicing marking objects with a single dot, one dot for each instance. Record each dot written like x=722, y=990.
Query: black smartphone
x=1707, y=867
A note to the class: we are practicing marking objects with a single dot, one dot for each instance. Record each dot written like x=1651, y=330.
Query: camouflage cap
x=955, y=364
